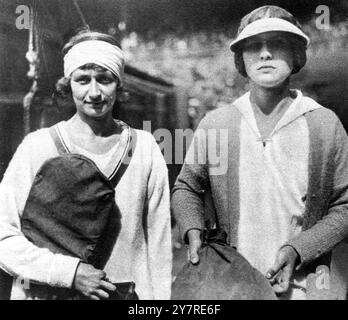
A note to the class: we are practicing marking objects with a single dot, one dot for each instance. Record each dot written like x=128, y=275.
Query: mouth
x=265, y=67
x=96, y=103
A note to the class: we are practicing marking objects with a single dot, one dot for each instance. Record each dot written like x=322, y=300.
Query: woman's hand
x=282, y=270
x=91, y=282
x=195, y=243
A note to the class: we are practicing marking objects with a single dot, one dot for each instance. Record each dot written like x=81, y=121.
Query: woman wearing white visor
x=103, y=220
x=284, y=198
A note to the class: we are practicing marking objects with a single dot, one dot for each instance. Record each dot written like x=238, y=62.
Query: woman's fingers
x=101, y=290
x=92, y=283
x=281, y=286
x=101, y=294
x=279, y=281
x=282, y=270
x=284, y=280
x=107, y=286
x=273, y=277
x=193, y=249
x=195, y=243
x=279, y=263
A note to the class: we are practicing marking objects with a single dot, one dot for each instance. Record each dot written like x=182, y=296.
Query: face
x=94, y=91
x=268, y=59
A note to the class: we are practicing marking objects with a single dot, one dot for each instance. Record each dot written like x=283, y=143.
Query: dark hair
x=87, y=34
x=298, y=44
x=63, y=88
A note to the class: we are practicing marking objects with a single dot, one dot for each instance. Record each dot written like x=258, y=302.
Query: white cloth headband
x=267, y=25
x=98, y=52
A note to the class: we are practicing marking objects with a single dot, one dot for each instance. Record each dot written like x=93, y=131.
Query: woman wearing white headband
x=284, y=198
x=140, y=227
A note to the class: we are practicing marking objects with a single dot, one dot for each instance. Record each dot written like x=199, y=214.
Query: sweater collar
x=300, y=106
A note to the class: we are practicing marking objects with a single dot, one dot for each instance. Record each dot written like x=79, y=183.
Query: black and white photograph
x=174, y=150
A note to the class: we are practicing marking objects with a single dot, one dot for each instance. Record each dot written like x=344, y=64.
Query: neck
x=101, y=127
x=267, y=99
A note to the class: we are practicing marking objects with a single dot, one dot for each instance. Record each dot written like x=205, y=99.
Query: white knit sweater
x=142, y=195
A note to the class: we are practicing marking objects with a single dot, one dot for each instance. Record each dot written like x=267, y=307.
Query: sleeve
x=159, y=227
x=18, y=256
x=189, y=189
x=333, y=227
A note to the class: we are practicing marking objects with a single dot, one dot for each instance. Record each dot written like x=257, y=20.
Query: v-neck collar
x=297, y=108
x=116, y=159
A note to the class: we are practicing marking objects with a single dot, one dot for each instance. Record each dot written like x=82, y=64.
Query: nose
x=94, y=92
x=265, y=52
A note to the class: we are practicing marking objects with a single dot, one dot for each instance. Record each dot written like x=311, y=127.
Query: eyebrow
x=85, y=73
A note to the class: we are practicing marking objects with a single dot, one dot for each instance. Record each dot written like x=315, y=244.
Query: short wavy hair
x=297, y=44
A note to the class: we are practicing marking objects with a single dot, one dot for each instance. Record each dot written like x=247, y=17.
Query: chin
x=270, y=81
x=98, y=113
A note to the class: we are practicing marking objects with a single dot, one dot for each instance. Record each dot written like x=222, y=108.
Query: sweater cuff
x=307, y=253
x=63, y=270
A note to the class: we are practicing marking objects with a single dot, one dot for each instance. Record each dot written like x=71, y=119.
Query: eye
x=82, y=80
x=105, y=80
x=278, y=43
x=252, y=46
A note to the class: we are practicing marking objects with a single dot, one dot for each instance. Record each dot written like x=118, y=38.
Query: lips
x=96, y=102
x=265, y=67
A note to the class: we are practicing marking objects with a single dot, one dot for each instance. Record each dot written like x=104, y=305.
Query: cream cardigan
x=142, y=252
